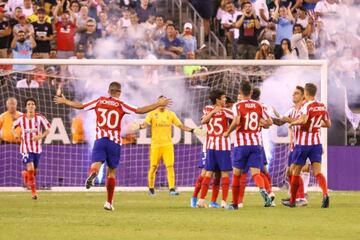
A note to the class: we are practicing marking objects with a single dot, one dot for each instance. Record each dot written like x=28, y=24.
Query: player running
x=162, y=147
x=313, y=116
x=34, y=127
x=247, y=153
x=291, y=115
x=109, y=113
x=218, y=149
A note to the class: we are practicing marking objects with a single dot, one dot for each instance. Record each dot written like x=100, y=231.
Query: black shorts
x=204, y=7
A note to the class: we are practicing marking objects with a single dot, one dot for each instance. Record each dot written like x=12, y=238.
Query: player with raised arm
x=247, y=153
x=161, y=121
x=288, y=117
x=218, y=149
x=109, y=113
x=34, y=127
x=313, y=116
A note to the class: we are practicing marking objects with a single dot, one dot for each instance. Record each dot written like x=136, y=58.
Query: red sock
x=204, y=187
x=32, y=182
x=235, y=189
x=322, y=183
x=266, y=183
x=110, y=187
x=198, y=186
x=215, y=189
x=259, y=181
x=295, y=181
x=300, y=193
x=225, y=182
x=243, y=181
x=269, y=179
x=24, y=174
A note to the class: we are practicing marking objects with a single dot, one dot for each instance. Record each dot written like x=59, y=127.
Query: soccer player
x=313, y=116
x=218, y=150
x=247, y=153
x=109, y=113
x=34, y=127
x=162, y=147
x=291, y=115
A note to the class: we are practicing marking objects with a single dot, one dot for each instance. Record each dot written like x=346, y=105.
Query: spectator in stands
x=298, y=41
x=28, y=8
x=34, y=17
x=221, y=11
x=125, y=21
x=135, y=31
x=24, y=26
x=309, y=5
x=5, y=32
x=6, y=121
x=88, y=38
x=170, y=47
x=284, y=25
x=27, y=82
x=191, y=69
x=150, y=24
x=65, y=30
x=326, y=8
x=265, y=51
x=248, y=25
x=228, y=19
x=302, y=17
x=75, y=8
x=102, y=25
x=190, y=44
x=311, y=49
x=22, y=48
x=286, y=52
x=13, y=4
x=43, y=35
x=83, y=18
x=269, y=34
x=204, y=8
x=15, y=17
x=262, y=11
x=159, y=30
x=143, y=10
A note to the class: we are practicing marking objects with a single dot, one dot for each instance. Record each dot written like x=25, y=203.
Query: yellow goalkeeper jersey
x=161, y=126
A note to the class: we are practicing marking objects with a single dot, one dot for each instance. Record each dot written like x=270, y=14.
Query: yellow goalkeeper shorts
x=165, y=152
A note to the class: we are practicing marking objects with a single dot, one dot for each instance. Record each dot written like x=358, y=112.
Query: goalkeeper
x=162, y=147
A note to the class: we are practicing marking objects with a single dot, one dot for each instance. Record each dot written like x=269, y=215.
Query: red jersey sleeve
x=91, y=104
x=127, y=108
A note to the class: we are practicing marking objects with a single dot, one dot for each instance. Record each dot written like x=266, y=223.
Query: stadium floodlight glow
x=221, y=73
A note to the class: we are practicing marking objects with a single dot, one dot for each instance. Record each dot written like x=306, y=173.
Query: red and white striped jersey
x=109, y=113
x=309, y=133
x=216, y=127
x=248, y=131
x=294, y=113
x=31, y=127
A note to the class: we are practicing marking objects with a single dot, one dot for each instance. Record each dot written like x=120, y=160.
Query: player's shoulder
x=227, y=110
x=208, y=108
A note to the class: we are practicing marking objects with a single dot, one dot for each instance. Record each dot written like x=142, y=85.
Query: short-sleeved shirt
x=42, y=29
x=109, y=113
x=161, y=126
x=4, y=41
x=65, y=37
x=177, y=42
x=284, y=29
x=6, y=122
x=23, y=51
x=248, y=34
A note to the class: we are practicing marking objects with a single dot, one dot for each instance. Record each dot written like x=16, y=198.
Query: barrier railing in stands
x=216, y=47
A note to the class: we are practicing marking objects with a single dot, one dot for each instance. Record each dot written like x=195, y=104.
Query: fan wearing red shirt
x=109, y=112
x=65, y=30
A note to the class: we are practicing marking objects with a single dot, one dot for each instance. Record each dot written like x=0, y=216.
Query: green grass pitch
x=137, y=216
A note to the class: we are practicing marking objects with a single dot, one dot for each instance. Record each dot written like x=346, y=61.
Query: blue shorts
x=303, y=152
x=291, y=158
x=202, y=161
x=218, y=160
x=31, y=157
x=108, y=151
x=263, y=156
x=246, y=157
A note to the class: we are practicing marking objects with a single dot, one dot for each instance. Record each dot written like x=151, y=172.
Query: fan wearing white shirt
x=261, y=10
x=27, y=83
x=298, y=41
x=302, y=17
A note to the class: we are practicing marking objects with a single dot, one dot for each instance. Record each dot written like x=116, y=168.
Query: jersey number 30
x=110, y=118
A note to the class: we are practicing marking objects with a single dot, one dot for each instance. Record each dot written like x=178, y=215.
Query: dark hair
x=245, y=88
x=229, y=100
x=21, y=31
x=41, y=10
x=289, y=46
x=311, y=89
x=114, y=87
x=161, y=96
x=215, y=94
x=256, y=94
x=298, y=25
x=160, y=16
x=170, y=25
x=30, y=100
x=301, y=89
x=244, y=3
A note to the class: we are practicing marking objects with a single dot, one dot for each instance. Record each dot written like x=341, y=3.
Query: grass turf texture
x=138, y=216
